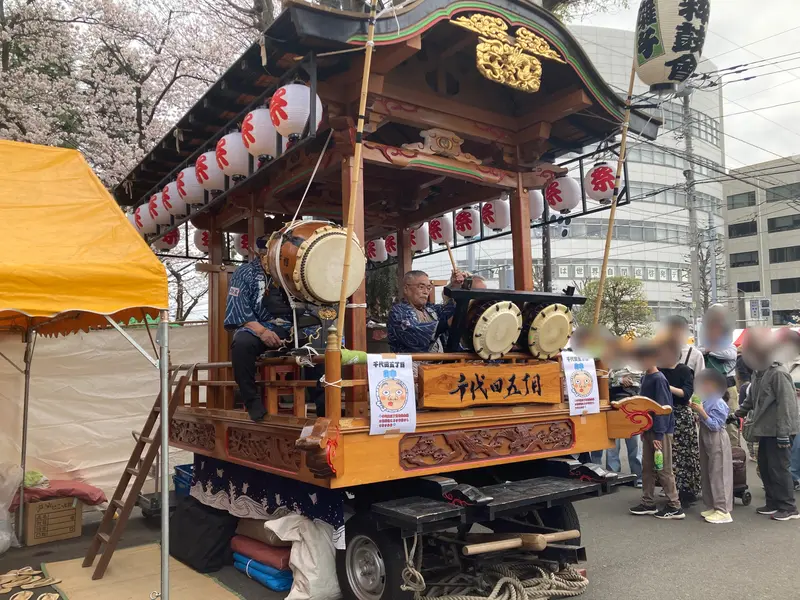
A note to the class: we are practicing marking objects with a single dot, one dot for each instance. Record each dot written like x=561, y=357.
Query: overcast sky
x=744, y=31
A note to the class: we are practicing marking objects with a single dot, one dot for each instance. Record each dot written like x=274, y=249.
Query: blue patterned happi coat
x=407, y=334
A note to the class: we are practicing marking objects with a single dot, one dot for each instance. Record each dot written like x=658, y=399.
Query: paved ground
x=630, y=558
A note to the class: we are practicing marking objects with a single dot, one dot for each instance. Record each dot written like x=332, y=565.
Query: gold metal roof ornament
x=510, y=60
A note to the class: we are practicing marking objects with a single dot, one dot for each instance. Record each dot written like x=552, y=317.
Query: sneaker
x=670, y=513
x=785, y=515
x=638, y=484
x=718, y=517
x=643, y=509
x=707, y=513
x=766, y=510
x=797, y=486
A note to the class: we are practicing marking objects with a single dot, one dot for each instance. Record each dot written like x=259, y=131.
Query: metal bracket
x=132, y=341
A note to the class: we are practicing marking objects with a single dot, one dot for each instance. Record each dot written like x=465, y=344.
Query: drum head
x=496, y=330
x=318, y=272
x=550, y=331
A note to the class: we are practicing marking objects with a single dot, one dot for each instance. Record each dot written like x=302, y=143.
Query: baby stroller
x=739, y=457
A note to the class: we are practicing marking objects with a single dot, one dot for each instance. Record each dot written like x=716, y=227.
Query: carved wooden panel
x=460, y=385
x=419, y=451
x=264, y=447
x=191, y=433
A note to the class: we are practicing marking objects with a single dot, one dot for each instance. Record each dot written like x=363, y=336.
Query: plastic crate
x=183, y=479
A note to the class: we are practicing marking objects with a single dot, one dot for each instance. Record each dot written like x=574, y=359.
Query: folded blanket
x=274, y=579
x=59, y=488
x=277, y=558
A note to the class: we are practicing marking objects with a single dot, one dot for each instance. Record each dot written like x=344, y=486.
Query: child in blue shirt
x=716, y=464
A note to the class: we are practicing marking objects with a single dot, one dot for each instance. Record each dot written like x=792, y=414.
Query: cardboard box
x=53, y=520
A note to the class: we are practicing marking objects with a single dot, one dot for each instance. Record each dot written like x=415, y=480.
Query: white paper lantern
x=496, y=214
x=563, y=194
x=441, y=229
x=599, y=183
x=201, y=239
x=144, y=220
x=188, y=187
x=232, y=156
x=209, y=175
x=420, y=240
x=391, y=244
x=468, y=222
x=259, y=135
x=157, y=210
x=169, y=241
x=376, y=250
x=172, y=201
x=241, y=243
x=289, y=109
x=536, y=203
x=669, y=41
x=132, y=220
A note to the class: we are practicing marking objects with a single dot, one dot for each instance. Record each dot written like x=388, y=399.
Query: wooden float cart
x=466, y=99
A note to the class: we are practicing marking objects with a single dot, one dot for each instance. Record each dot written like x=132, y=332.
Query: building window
x=785, y=317
x=744, y=259
x=742, y=229
x=783, y=223
x=790, y=285
x=789, y=191
x=749, y=287
x=742, y=200
x=782, y=255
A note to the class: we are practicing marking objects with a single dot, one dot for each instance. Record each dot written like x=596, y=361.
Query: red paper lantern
x=289, y=109
x=209, y=175
x=441, y=229
x=599, y=183
x=563, y=194
x=468, y=223
x=391, y=244
x=496, y=214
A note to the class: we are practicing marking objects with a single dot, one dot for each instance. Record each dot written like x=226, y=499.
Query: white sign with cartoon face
x=582, y=389
x=392, y=402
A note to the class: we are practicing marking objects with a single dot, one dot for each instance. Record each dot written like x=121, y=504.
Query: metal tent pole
x=30, y=344
x=163, y=363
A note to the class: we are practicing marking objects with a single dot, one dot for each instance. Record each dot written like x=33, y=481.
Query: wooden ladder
x=110, y=531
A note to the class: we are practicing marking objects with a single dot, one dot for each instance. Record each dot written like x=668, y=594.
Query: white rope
x=336, y=384
x=311, y=179
x=413, y=581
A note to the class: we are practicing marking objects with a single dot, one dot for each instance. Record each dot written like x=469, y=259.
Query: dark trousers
x=774, y=464
x=245, y=350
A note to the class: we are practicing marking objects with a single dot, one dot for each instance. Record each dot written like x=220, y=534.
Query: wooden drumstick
x=450, y=254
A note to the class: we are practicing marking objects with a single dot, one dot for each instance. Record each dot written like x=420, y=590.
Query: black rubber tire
x=747, y=498
x=390, y=546
x=563, y=517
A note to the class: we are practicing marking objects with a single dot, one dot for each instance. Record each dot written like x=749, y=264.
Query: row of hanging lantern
x=563, y=194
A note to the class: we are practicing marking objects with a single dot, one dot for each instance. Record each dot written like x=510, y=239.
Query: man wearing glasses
x=416, y=325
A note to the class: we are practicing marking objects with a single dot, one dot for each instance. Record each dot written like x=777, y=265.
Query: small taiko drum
x=546, y=329
x=492, y=328
x=306, y=258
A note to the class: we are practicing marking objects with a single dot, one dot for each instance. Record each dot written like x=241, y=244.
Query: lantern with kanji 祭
x=563, y=194
x=232, y=157
x=391, y=244
x=172, y=201
x=536, y=204
x=132, y=220
x=669, y=41
x=468, y=223
x=157, y=210
x=209, y=175
x=599, y=183
x=441, y=229
x=376, y=250
x=258, y=133
x=188, y=187
x=420, y=240
x=201, y=240
x=168, y=241
x=241, y=243
x=290, y=107
x=496, y=214
x=143, y=220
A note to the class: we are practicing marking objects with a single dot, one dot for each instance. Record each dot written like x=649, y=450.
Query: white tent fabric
x=88, y=392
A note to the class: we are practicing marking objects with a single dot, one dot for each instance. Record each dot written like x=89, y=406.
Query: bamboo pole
x=620, y=164
x=351, y=207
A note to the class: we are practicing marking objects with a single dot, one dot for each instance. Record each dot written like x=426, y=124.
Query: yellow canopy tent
x=70, y=259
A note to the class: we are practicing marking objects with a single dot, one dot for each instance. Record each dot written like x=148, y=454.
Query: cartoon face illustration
x=392, y=394
x=581, y=382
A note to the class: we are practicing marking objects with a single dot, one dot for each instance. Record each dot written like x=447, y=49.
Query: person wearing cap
x=259, y=314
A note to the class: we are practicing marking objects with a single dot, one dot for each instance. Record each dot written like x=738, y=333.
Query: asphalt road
x=630, y=558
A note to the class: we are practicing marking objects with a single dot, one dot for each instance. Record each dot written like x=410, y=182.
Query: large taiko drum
x=306, y=259
x=492, y=328
x=546, y=329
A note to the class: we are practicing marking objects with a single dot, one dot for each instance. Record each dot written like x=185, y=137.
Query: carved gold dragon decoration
x=508, y=59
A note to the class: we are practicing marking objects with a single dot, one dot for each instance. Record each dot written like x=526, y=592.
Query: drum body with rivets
x=306, y=258
x=492, y=328
x=546, y=329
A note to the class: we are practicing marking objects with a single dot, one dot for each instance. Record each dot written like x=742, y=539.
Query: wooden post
x=218, y=339
x=521, y=238
x=404, y=257
x=333, y=375
x=357, y=399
